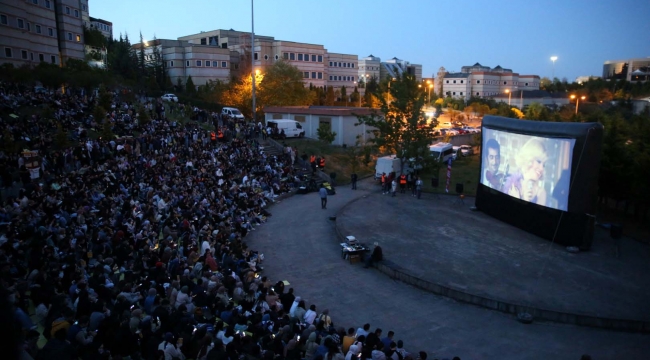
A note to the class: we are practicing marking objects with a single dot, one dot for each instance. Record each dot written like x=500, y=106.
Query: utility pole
x=253, y=57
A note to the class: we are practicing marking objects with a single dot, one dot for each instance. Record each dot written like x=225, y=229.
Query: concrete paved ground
x=442, y=241
x=300, y=245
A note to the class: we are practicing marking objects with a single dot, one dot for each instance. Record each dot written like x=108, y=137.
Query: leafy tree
x=344, y=94
x=330, y=97
x=373, y=85
x=401, y=128
x=107, y=130
x=518, y=114
x=355, y=97
x=189, y=86
x=282, y=85
x=358, y=155
x=179, y=85
x=325, y=133
x=61, y=138
x=537, y=111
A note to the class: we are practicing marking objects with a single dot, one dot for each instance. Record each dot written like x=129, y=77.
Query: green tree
x=105, y=99
x=282, y=85
x=99, y=114
x=355, y=97
x=61, y=138
x=401, y=128
x=344, y=94
x=143, y=116
x=189, y=86
x=325, y=133
x=537, y=111
x=107, y=130
x=330, y=97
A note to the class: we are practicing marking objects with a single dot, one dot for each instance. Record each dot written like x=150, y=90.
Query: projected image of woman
x=526, y=182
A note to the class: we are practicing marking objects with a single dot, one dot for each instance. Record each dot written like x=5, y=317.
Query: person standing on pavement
x=353, y=178
x=393, y=187
x=418, y=187
x=323, y=196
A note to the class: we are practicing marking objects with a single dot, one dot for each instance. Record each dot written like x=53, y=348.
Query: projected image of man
x=491, y=175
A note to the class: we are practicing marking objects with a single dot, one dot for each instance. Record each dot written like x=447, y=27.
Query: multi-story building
x=103, y=26
x=342, y=70
x=396, y=67
x=183, y=59
x=28, y=32
x=69, y=29
x=631, y=69
x=482, y=81
x=85, y=13
x=369, y=67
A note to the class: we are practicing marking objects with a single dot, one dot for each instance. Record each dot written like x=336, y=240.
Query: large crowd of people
x=135, y=247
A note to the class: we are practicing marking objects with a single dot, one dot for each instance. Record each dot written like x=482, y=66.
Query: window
x=21, y=23
x=285, y=56
x=330, y=77
x=204, y=41
x=505, y=83
x=84, y=7
x=340, y=64
x=313, y=58
x=53, y=59
x=454, y=93
x=48, y=4
x=320, y=75
x=8, y=52
x=340, y=78
x=320, y=58
x=255, y=56
x=207, y=63
x=23, y=54
x=353, y=65
x=171, y=64
x=313, y=74
x=76, y=13
x=187, y=63
x=215, y=64
x=331, y=63
x=70, y=36
x=31, y=56
x=277, y=57
x=41, y=57
x=224, y=64
x=454, y=81
x=292, y=56
x=299, y=57
x=198, y=62
x=461, y=93
x=266, y=57
x=67, y=10
x=29, y=27
x=78, y=37
x=476, y=94
x=306, y=57
x=462, y=82
x=526, y=84
x=447, y=81
x=478, y=81
x=305, y=75
x=3, y=19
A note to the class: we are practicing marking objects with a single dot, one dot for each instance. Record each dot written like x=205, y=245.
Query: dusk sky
x=518, y=34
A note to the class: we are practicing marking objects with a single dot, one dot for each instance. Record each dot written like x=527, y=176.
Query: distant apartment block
x=33, y=31
x=482, y=81
x=372, y=67
x=103, y=26
x=631, y=69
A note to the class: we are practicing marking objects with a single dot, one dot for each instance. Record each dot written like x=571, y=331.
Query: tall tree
x=330, y=97
x=537, y=111
x=281, y=85
x=402, y=127
x=189, y=86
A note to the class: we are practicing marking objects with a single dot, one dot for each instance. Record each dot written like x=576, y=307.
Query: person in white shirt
x=171, y=349
x=365, y=330
x=310, y=315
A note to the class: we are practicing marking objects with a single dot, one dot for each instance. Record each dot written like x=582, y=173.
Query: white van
x=232, y=113
x=292, y=128
x=441, y=151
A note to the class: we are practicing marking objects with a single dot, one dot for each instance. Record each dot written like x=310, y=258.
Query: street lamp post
x=553, y=58
x=578, y=101
x=509, y=95
x=253, y=57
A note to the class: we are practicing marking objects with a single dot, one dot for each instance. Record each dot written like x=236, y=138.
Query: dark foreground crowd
x=134, y=247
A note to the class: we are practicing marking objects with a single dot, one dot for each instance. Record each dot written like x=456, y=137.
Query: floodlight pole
x=253, y=56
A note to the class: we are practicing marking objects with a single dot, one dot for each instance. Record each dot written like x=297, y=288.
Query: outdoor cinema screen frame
x=573, y=151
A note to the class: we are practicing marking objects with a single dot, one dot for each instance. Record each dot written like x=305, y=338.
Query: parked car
x=232, y=113
x=466, y=150
x=460, y=131
x=455, y=152
x=169, y=97
x=470, y=130
x=451, y=132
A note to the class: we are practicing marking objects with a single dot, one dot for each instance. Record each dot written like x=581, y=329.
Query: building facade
x=630, y=70
x=103, y=26
x=28, y=32
x=395, y=67
x=70, y=29
x=482, y=81
x=340, y=120
x=369, y=67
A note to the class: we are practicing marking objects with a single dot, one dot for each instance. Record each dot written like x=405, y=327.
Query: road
x=300, y=245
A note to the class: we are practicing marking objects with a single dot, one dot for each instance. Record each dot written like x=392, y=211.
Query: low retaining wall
x=394, y=271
